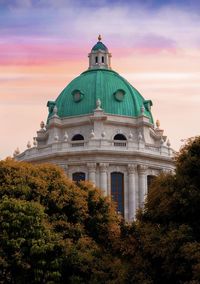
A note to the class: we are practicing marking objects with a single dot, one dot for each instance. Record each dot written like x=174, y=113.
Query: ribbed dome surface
x=99, y=45
x=103, y=85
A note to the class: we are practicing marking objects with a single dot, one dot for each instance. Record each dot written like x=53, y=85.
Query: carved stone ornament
x=142, y=169
x=42, y=125
x=16, y=152
x=132, y=168
x=103, y=134
x=142, y=110
x=162, y=141
x=130, y=136
x=168, y=143
x=103, y=167
x=92, y=135
x=65, y=136
x=98, y=104
x=55, y=111
x=28, y=145
x=56, y=138
x=34, y=142
x=140, y=136
x=91, y=167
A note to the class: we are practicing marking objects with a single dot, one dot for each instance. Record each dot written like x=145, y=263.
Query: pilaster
x=92, y=172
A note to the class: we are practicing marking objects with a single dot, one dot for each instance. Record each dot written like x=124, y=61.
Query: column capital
x=142, y=169
x=132, y=168
x=103, y=167
x=91, y=167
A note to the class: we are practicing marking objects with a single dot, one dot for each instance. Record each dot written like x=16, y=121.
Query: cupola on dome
x=99, y=45
x=99, y=82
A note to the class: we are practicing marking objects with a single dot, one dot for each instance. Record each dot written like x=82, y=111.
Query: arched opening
x=119, y=137
x=120, y=140
x=77, y=140
x=96, y=59
x=102, y=59
x=78, y=176
x=150, y=179
x=77, y=137
x=117, y=190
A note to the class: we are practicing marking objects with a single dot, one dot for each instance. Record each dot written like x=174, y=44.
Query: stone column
x=92, y=172
x=142, y=183
x=132, y=191
x=104, y=178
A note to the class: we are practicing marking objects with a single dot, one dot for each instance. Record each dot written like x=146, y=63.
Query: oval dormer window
x=119, y=95
x=77, y=95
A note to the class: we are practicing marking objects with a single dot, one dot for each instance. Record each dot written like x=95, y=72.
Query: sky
x=44, y=44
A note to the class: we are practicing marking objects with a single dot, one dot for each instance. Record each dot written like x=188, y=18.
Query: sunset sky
x=44, y=44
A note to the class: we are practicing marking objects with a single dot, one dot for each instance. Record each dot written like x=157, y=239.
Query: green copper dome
x=117, y=96
x=99, y=46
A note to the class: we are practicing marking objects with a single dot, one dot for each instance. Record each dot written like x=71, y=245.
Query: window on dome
x=96, y=59
x=77, y=137
x=120, y=140
x=77, y=141
x=77, y=95
x=119, y=95
x=120, y=137
x=102, y=59
x=78, y=176
x=117, y=191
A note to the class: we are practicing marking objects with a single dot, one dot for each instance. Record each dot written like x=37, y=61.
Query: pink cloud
x=30, y=54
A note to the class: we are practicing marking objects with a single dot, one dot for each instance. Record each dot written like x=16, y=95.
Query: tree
x=29, y=249
x=169, y=225
x=54, y=231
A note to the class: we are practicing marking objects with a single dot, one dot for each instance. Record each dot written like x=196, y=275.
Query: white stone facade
x=142, y=154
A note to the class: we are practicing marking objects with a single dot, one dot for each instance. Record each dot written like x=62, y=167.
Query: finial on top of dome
x=157, y=123
x=99, y=38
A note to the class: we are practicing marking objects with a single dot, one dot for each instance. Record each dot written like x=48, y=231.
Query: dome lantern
x=99, y=57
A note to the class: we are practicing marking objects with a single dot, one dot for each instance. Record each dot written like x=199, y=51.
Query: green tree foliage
x=54, y=231
x=169, y=225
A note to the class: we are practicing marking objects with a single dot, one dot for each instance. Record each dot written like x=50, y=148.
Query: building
x=101, y=129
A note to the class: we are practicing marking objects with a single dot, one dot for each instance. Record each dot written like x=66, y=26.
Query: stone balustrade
x=100, y=144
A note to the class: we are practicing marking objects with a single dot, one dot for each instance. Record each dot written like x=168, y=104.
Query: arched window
x=150, y=179
x=78, y=176
x=121, y=138
x=117, y=190
x=77, y=140
x=77, y=137
x=96, y=59
x=102, y=59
